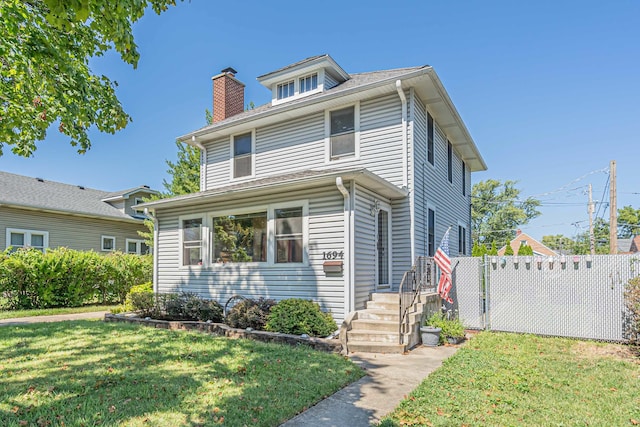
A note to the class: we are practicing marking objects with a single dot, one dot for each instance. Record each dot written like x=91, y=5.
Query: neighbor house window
x=240, y=238
x=17, y=238
x=449, y=162
x=288, y=235
x=285, y=90
x=464, y=178
x=431, y=231
x=309, y=83
x=243, y=155
x=108, y=243
x=462, y=240
x=192, y=241
x=342, y=133
x=136, y=246
x=430, y=158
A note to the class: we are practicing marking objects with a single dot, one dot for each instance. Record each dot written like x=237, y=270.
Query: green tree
x=601, y=237
x=185, y=172
x=496, y=210
x=558, y=242
x=478, y=249
x=45, y=48
x=525, y=250
x=508, y=250
x=628, y=222
x=494, y=249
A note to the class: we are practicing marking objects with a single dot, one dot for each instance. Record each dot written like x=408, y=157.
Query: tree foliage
x=628, y=222
x=508, y=250
x=496, y=210
x=558, y=242
x=45, y=48
x=185, y=172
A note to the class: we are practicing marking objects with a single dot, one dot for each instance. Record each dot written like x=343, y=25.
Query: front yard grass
x=87, y=373
x=507, y=379
x=10, y=314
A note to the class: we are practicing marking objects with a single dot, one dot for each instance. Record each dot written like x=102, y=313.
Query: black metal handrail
x=419, y=278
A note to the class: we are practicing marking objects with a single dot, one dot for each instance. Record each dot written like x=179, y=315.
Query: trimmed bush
x=632, y=301
x=66, y=278
x=250, y=313
x=299, y=316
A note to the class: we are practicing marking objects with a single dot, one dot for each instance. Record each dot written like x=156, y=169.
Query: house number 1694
x=333, y=255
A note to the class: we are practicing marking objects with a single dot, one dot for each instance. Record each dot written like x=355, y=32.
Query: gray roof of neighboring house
x=34, y=193
x=624, y=245
x=361, y=79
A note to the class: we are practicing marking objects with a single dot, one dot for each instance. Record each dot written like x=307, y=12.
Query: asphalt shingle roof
x=19, y=190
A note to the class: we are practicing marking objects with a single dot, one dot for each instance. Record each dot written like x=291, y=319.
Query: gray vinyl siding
x=433, y=188
x=220, y=282
x=401, y=239
x=74, y=232
x=300, y=144
x=364, y=247
x=329, y=82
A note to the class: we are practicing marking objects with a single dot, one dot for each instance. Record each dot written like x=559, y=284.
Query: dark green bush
x=66, y=278
x=187, y=306
x=299, y=316
x=250, y=313
x=632, y=301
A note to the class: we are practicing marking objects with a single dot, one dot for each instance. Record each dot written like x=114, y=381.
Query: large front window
x=240, y=238
x=288, y=235
x=342, y=124
x=192, y=241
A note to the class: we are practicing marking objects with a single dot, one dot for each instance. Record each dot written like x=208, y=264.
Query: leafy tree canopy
x=496, y=210
x=45, y=48
x=558, y=242
x=628, y=222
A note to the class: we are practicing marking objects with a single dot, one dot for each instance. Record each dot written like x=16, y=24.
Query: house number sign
x=333, y=255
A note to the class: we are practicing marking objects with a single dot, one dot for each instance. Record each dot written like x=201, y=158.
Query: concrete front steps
x=376, y=328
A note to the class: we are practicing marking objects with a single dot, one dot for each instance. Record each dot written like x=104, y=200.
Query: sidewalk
x=54, y=318
x=390, y=377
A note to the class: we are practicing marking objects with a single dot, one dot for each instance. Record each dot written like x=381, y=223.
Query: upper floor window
x=430, y=157
x=240, y=238
x=243, y=155
x=464, y=178
x=285, y=90
x=309, y=83
x=17, y=238
x=342, y=133
x=449, y=162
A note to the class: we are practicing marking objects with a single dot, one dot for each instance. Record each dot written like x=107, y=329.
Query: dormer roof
x=308, y=65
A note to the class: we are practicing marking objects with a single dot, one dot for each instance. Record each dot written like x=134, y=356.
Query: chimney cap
x=229, y=70
x=518, y=232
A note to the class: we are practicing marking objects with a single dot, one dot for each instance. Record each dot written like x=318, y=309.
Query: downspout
x=348, y=300
x=155, y=248
x=203, y=167
x=405, y=166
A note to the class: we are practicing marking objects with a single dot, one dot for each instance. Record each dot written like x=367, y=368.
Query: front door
x=382, y=249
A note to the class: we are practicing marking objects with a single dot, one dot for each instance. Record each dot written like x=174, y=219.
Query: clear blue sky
x=549, y=90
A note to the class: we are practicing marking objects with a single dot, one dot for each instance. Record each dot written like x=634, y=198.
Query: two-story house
x=328, y=192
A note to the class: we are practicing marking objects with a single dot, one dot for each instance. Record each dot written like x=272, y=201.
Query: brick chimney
x=228, y=95
x=518, y=232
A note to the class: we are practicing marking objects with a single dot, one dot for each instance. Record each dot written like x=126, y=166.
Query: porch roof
x=281, y=183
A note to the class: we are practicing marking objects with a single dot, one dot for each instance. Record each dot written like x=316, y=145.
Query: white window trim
x=296, y=81
x=466, y=230
x=203, y=246
x=102, y=248
x=327, y=134
x=253, y=156
x=27, y=237
x=271, y=235
x=138, y=243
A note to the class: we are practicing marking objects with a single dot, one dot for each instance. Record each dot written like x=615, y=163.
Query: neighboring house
x=45, y=214
x=629, y=246
x=524, y=239
x=328, y=192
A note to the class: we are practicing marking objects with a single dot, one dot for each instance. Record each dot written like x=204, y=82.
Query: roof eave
x=69, y=212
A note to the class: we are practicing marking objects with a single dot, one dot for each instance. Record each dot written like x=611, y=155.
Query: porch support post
x=348, y=265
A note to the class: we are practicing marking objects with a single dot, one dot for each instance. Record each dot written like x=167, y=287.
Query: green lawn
x=10, y=314
x=513, y=380
x=87, y=373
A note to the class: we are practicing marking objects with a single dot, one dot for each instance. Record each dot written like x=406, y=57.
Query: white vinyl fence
x=571, y=296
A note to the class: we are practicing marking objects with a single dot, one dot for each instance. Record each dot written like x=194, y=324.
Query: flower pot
x=430, y=336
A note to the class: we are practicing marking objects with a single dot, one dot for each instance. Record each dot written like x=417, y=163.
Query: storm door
x=382, y=249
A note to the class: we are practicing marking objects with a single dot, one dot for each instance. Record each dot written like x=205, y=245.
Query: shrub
x=451, y=327
x=632, y=302
x=250, y=313
x=299, y=316
x=508, y=250
x=187, y=306
x=142, y=300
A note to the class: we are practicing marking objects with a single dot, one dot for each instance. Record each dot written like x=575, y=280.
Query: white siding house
x=325, y=193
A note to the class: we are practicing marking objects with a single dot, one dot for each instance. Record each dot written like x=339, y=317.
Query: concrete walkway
x=390, y=378
x=54, y=318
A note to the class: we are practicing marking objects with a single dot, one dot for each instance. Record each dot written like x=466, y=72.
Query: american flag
x=444, y=262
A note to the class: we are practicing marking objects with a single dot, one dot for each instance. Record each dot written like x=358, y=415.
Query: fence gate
x=571, y=296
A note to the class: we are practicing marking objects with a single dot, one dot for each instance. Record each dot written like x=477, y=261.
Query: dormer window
x=285, y=90
x=309, y=83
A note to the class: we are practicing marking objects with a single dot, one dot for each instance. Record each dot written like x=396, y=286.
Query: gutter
x=405, y=149
x=348, y=284
x=155, y=248
x=203, y=164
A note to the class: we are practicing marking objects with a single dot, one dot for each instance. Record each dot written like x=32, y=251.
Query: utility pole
x=613, y=210
x=592, y=239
